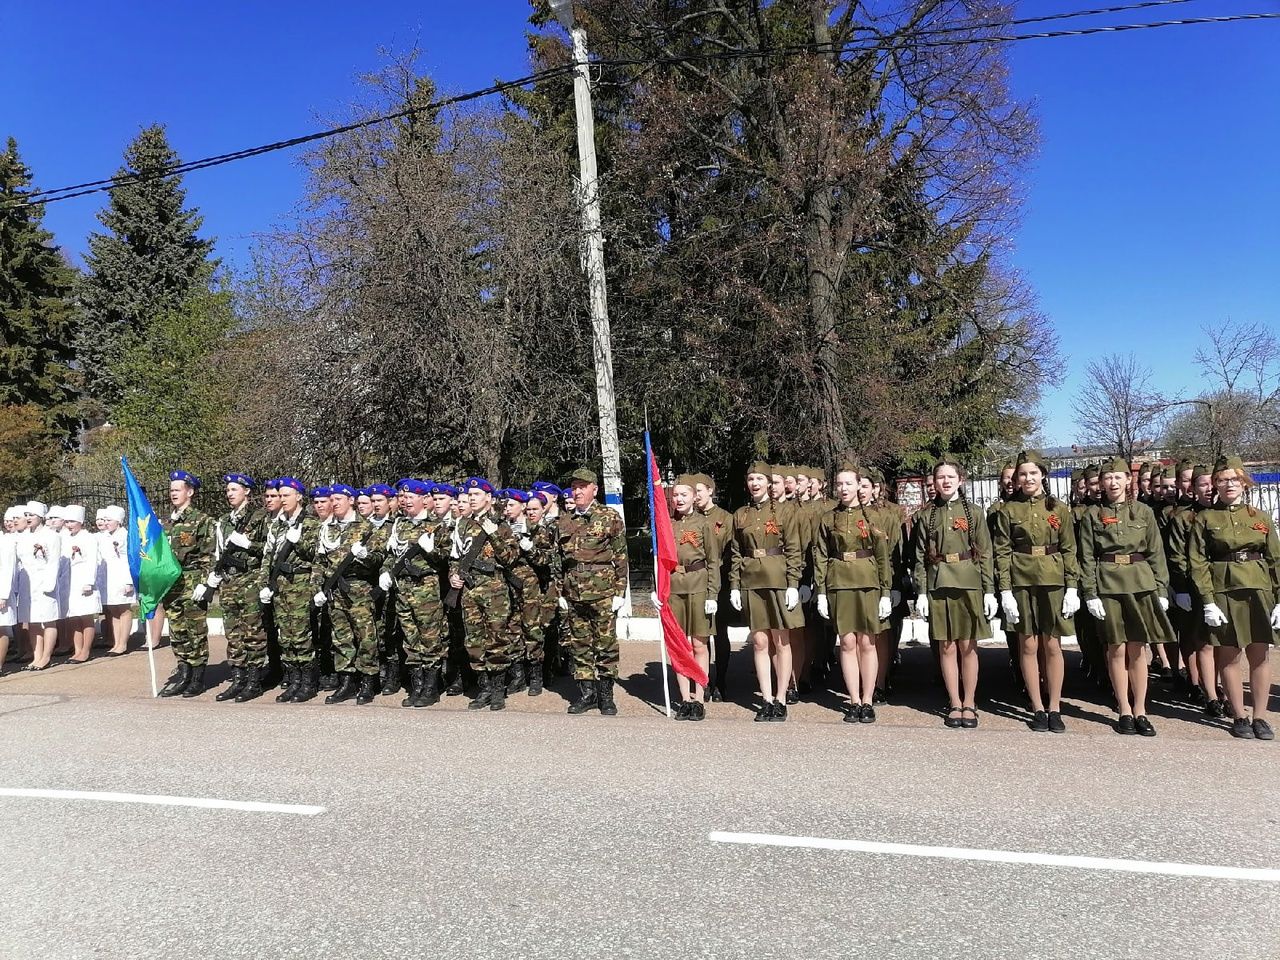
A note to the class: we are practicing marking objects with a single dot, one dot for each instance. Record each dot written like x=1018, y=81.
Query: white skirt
x=37, y=608
x=82, y=606
x=9, y=615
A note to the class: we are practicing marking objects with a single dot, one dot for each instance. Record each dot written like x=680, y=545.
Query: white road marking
x=1001, y=856
x=207, y=803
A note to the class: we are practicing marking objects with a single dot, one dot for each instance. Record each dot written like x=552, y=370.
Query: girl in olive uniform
x=1036, y=570
x=853, y=580
x=1234, y=559
x=1126, y=590
x=765, y=563
x=1192, y=631
x=956, y=580
x=695, y=584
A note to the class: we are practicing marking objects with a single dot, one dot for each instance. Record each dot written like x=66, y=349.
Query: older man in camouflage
x=593, y=552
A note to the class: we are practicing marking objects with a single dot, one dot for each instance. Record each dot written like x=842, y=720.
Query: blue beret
x=446, y=489
x=381, y=489
x=189, y=478
x=402, y=481
x=243, y=479
x=414, y=486
x=540, y=495
x=542, y=486
x=518, y=495
x=319, y=492
x=478, y=483
x=290, y=483
x=344, y=489
x=272, y=484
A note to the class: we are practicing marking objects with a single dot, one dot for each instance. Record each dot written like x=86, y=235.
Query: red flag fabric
x=679, y=649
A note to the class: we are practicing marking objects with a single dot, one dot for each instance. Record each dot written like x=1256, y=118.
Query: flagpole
x=151, y=652
x=653, y=535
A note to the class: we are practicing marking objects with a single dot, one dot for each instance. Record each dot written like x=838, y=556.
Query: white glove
x=564, y=604
x=385, y=582
x=1095, y=609
x=657, y=604
x=1183, y=600
x=824, y=607
x=427, y=542
x=792, y=598
x=735, y=599
x=359, y=551
x=806, y=592
x=1275, y=617
x=895, y=598
x=617, y=603
x=922, y=606
x=1010, y=606
x=884, y=608
x=319, y=599
x=1070, y=603
x=710, y=608
x=990, y=607
x=488, y=526
x=265, y=595
x=87, y=591
x=294, y=534
x=1164, y=603
x=526, y=544
x=213, y=581
x=239, y=539
x=1213, y=615
x=198, y=594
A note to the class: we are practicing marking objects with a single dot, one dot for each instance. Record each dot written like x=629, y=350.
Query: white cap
x=99, y=514
x=36, y=507
x=12, y=513
x=56, y=512
x=114, y=513
x=73, y=512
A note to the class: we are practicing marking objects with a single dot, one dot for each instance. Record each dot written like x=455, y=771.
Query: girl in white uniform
x=8, y=582
x=81, y=561
x=118, y=598
x=39, y=557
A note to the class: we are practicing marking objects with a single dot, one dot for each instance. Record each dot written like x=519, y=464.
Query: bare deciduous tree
x=1115, y=409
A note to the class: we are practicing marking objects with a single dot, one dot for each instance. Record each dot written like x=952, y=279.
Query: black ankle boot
x=234, y=687
x=369, y=687
x=604, y=693
x=516, y=683
x=289, y=685
x=195, y=686
x=308, y=683
x=498, y=690
x=327, y=681
x=455, y=686
x=430, y=695
x=347, y=688
x=417, y=680
x=535, y=679
x=390, y=681
x=484, y=696
x=178, y=681
x=252, y=687
x=586, y=697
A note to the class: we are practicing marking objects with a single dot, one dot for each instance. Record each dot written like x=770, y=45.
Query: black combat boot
x=604, y=693
x=328, y=681
x=586, y=697
x=516, y=680
x=498, y=690
x=484, y=696
x=289, y=685
x=535, y=679
x=178, y=682
x=195, y=686
x=369, y=687
x=390, y=679
x=308, y=678
x=430, y=695
x=417, y=679
x=455, y=686
x=252, y=687
x=234, y=687
x=347, y=688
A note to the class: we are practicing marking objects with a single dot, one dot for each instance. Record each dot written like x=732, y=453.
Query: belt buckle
x=1123, y=559
x=952, y=558
x=1240, y=556
x=1037, y=551
x=849, y=556
x=759, y=553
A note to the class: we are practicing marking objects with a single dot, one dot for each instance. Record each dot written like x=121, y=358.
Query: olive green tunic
x=1232, y=556
x=765, y=559
x=1035, y=558
x=853, y=584
x=951, y=553
x=1190, y=624
x=1122, y=563
x=697, y=575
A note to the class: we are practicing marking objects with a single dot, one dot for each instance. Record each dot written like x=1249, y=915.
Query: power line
x=924, y=39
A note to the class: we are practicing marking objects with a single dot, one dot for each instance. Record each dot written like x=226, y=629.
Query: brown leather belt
x=969, y=554
x=1124, y=559
x=851, y=555
x=760, y=553
x=1047, y=550
x=1241, y=556
x=692, y=567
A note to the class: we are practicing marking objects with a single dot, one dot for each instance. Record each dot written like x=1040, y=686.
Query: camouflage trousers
x=355, y=642
x=188, y=628
x=242, y=623
x=593, y=641
x=486, y=608
x=420, y=611
x=291, y=608
x=531, y=614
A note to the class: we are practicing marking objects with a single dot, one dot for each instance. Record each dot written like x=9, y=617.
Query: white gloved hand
x=1213, y=615
x=526, y=544
x=1164, y=603
x=895, y=598
x=990, y=606
x=922, y=606
x=265, y=595
x=1009, y=604
x=657, y=604
x=806, y=592
x=1275, y=617
x=213, y=581
x=359, y=550
x=563, y=603
x=824, y=607
x=385, y=581
x=710, y=608
x=87, y=591
x=735, y=599
x=1070, y=603
x=294, y=534
x=198, y=594
x=488, y=526
x=884, y=608
x=239, y=539
x=427, y=542
x=319, y=599
x=1183, y=600
x=791, y=598
x=617, y=604
x=1095, y=608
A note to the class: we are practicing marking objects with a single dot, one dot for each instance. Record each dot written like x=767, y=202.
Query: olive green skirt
x=854, y=610
x=1248, y=619
x=690, y=610
x=957, y=615
x=767, y=610
x=1040, y=613
x=1192, y=630
x=1133, y=618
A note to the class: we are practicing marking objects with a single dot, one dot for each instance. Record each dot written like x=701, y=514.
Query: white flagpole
x=662, y=645
x=151, y=655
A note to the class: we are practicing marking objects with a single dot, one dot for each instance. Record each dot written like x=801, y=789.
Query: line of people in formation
x=440, y=581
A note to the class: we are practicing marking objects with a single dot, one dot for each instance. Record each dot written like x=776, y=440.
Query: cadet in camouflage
x=239, y=539
x=191, y=539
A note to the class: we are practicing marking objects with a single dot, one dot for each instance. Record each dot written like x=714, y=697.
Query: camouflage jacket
x=499, y=551
x=233, y=560
x=593, y=553
x=297, y=559
x=334, y=547
x=191, y=538
x=402, y=533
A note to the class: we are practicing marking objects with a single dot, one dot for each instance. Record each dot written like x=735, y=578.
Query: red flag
x=679, y=649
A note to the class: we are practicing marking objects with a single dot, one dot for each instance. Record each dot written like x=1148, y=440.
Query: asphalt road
x=530, y=833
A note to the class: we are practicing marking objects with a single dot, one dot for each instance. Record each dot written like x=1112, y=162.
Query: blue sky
x=1152, y=210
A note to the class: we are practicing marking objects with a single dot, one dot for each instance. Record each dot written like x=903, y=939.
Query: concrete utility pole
x=593, y=257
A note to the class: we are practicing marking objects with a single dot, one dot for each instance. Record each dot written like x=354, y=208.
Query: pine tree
x=149, y=262
x=35, y=306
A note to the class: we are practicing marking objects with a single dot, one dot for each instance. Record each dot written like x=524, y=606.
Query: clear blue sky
x=1153, y=208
